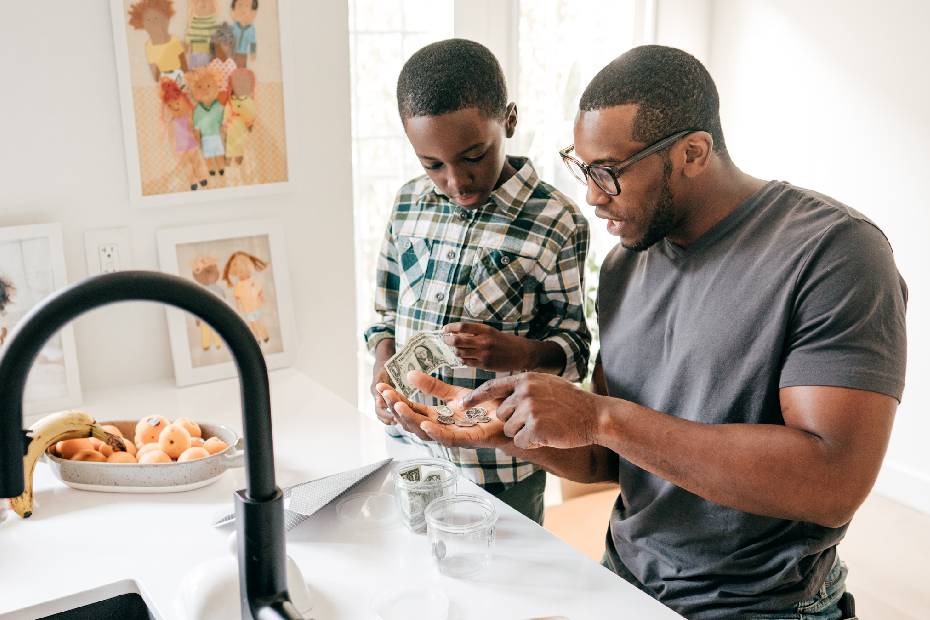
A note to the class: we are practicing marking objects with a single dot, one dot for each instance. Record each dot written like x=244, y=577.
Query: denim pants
x=823, y=605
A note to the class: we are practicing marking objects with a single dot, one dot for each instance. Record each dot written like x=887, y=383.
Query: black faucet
x=260, y=506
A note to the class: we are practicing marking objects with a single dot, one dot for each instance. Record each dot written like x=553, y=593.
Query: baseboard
x=904, y=485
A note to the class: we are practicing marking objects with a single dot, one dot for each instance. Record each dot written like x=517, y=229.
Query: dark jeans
x=526, y=496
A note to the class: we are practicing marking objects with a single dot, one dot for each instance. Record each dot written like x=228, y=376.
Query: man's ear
x=510, y=119
x=697, y=149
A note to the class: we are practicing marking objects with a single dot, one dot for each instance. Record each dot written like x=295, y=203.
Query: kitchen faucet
x=260, y=506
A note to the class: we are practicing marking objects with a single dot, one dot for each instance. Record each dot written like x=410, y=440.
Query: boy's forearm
x=544, y=356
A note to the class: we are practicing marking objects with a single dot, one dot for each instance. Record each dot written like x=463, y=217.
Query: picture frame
x=175, y=137
x=244, y=263
x=32, y=267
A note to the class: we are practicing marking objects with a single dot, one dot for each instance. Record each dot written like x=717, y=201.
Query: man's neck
x=725, y=189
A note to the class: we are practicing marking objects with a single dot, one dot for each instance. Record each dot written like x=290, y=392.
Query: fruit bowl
x=154, y=477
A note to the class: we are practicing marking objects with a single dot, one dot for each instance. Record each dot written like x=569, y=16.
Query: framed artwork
x=205, y=98
x=242, y=263
x=32, y=266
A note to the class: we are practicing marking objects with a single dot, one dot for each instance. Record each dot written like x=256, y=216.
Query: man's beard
x=664, y=219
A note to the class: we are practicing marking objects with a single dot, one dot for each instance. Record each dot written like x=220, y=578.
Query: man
x=752, y=359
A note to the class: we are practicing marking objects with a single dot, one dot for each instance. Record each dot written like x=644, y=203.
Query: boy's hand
x=383, y=353
x=420, y=419
x=482, y=346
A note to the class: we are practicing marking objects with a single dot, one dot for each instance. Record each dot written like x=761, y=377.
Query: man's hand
x=420, y=419
x=541, y=410
x=383, y=352
x=482, y=346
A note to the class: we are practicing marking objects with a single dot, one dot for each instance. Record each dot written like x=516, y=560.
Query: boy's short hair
x=451, y=75
x=673, y=90
x=254, y=4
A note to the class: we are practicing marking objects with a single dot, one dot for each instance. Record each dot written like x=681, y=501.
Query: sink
x=121, y=599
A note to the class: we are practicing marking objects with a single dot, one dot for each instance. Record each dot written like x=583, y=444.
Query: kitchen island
x=81, y=540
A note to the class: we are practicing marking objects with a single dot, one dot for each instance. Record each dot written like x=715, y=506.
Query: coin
x=443, y=410
x=465, y=423
x=445, y=419
x=476, y=412
x=482, y=420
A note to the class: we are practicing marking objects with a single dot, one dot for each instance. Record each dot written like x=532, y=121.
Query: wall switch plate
x=107, y=250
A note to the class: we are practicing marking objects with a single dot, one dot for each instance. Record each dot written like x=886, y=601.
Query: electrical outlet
x=107, y=250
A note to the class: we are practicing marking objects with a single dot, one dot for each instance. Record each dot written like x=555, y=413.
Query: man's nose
x=595, y=196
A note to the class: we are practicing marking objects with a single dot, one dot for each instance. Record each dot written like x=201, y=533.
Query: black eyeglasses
x=607, y=177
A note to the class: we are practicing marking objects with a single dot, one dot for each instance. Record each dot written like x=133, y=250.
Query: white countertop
x=79, y=540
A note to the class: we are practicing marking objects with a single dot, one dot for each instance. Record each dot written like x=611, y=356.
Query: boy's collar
x=512, y=194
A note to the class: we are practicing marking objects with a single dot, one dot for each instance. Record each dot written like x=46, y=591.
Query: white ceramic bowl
x=151, y=477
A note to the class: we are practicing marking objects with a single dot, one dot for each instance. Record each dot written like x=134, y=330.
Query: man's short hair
x=451, y=75
x=673, y=90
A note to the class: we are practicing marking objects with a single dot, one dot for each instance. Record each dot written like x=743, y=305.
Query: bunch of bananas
x=48, y=431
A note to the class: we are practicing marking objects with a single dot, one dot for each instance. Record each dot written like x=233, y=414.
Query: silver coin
x=476, y=412
x=465, y=423
x=445, y=419
x=482, y=420
x=443, y=410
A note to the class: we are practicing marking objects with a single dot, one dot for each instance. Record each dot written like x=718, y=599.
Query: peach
x=192, y=454
x=69, y=447
x=149, y=447
x=189, y=425
x=197, y=442
x=174, y=440
x=89, y=455
x=154, y=456
x=148, y=429
x=215, y=445
x=121, y=457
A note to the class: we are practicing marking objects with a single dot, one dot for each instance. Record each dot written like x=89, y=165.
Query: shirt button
x=505, y=260
x=463, y=214
x=440, y=296
x=451, y=255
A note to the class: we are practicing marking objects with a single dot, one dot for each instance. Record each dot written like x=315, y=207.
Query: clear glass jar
x=461, y=533
x=418, y=482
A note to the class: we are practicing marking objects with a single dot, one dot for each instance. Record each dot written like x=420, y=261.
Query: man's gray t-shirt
x=792, y=288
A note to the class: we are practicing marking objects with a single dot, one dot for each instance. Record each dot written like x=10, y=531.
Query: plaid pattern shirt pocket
x=414, y=254
x=497, y=285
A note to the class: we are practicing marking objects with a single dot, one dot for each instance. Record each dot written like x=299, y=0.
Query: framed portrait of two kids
x=244, y=264
x=204, y=96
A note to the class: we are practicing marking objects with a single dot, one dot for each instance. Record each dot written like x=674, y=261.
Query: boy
x=480, y=248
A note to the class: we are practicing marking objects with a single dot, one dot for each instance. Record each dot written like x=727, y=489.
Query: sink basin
x=121, y=599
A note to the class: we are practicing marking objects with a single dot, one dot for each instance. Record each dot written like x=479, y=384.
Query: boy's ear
x=510, y=119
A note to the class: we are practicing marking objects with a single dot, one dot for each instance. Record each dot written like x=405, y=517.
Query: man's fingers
x=461, y=341
x=410, y=420
x=464, y=328
x=433, y=386
x=446, y=435
x=495, y=389
x=514, y=424
x=392, y=397
x=525, y=440
x=507, y=408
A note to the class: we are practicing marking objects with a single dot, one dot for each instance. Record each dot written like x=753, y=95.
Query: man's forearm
x=587, y=464
x=765, y=469
x=544, y=356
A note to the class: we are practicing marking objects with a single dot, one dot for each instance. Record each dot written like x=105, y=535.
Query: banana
x=46, y=432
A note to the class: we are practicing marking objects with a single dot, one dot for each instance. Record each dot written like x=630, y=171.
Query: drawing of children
x=247, y=290
x=201, y=23
x=7, y=290
x=239, y=115
x=177, y=110
x=164, y=52
x=207, y=273
x=222, y=64
x=243, y=12
x=208, y=117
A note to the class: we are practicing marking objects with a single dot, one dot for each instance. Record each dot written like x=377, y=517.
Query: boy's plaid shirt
x=515, y=263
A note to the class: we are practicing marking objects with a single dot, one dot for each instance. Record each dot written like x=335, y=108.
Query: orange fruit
x=154, y=456
x=189, y=425
x=196, y=442
x=174, y=440
x=105, y=449
x=215, y=445
x=121, y=457
x=148, y=429
x=192, y=454
x=130, y=447
x=69, y=447
x=89, y=455
x=148, y=447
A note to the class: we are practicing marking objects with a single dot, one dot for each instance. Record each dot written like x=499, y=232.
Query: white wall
x=833, y=95
x=62, y=160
